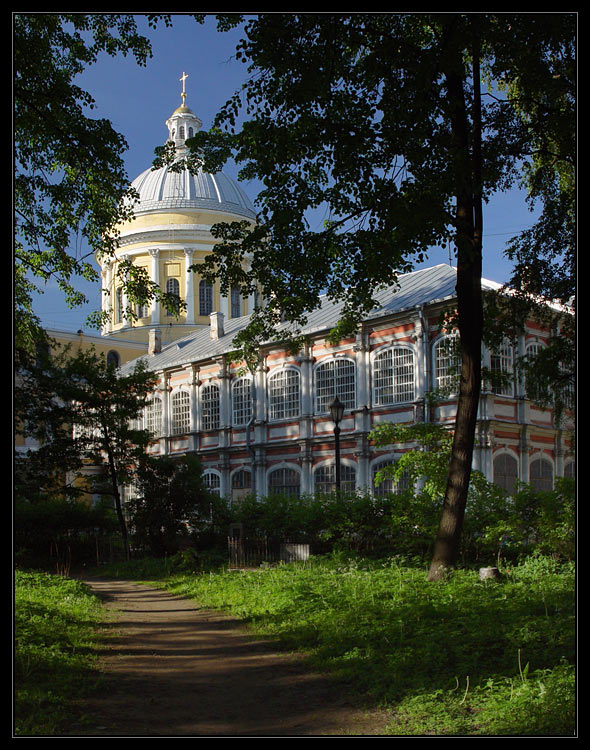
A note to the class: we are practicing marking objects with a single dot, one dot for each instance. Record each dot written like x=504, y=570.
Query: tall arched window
x=535, y=389
x=212, y=482
x=570, y=470
x=205, y=298
x=119, y=305
x=283, y=394
x=393, y=376
x=502, y=370
x=113, y=358
x=236, y=302
x=241, y=484
x=324, y=478
x=335, y=377
x=541, y=474
x=284, y=481
x=241, y=401
x=210, y=407
x=173, y=288
x=506, y=472
x=447, y=364
x=180, y=413
x=142, y=311
x=389, y=484
x=153, y=416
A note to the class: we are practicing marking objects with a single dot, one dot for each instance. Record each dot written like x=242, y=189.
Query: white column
x=190, y=286
x=166, y=404
x=194, y=410
x=125, y=300
x=107, y=296
x=306, y=374
x=155, y=254
x=225, y=414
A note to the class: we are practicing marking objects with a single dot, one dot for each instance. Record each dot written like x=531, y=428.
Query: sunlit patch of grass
x=56, y=623
x=462, y=656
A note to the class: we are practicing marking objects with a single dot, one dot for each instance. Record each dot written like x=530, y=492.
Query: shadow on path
x=173, y=669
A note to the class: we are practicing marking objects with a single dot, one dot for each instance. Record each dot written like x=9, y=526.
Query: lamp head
x=336, y=410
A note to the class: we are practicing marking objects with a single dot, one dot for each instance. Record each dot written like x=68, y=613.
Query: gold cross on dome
x=183, y=78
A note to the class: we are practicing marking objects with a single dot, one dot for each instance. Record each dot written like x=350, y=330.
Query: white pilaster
x=190, y=286
x=155, y=274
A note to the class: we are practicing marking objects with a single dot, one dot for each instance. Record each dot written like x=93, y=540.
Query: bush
x=496, y=526
x=59, y=533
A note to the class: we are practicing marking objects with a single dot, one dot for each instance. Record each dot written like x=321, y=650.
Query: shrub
x=59, y=532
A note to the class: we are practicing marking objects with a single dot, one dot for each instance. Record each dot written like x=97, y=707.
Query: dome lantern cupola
x=182, y=123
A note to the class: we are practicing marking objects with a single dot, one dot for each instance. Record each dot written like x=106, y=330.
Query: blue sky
x=138, y=100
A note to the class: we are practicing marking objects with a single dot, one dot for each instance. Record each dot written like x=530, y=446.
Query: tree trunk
x=469, y=304
x=116, y=493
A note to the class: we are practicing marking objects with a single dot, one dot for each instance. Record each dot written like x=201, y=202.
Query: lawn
x=456, y=657
x=462, y=656
x=57, y=627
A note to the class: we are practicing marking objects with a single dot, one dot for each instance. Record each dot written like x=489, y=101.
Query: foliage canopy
x=70, y=180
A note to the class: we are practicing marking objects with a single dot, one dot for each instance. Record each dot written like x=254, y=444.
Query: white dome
x=164, y=188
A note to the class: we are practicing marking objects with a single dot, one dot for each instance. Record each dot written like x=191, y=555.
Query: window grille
x=173, y=288
x=205, y=298
x=210, y=407
x=153, y=417
x=283, y=394
x=325, y=478
x=212, y=482
x=394, y=376
x=501, y=365
x=447, y=364
x=241, y=480
x=541, y=474
x=119, y=305
x=568, y=392
x=541, y=389
x=142, y=311
x=389, y=485
x=236, y=303
x=241, y=401
x=180, y=413
x=336, y=377
x=284, y=481
x=506, y=472
x=535, y=390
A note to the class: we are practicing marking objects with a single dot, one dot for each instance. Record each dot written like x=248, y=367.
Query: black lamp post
x=337, y=412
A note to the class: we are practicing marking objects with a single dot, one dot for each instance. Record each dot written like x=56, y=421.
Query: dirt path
x=174, y=669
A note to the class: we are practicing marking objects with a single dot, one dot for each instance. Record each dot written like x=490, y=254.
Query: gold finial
x=183, y=79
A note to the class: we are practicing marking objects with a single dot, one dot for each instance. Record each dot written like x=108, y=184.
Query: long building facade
x=271, y=430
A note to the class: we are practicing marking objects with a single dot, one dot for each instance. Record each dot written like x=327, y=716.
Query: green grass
x=459, y=657
x=56, y=624
x=456, y=657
